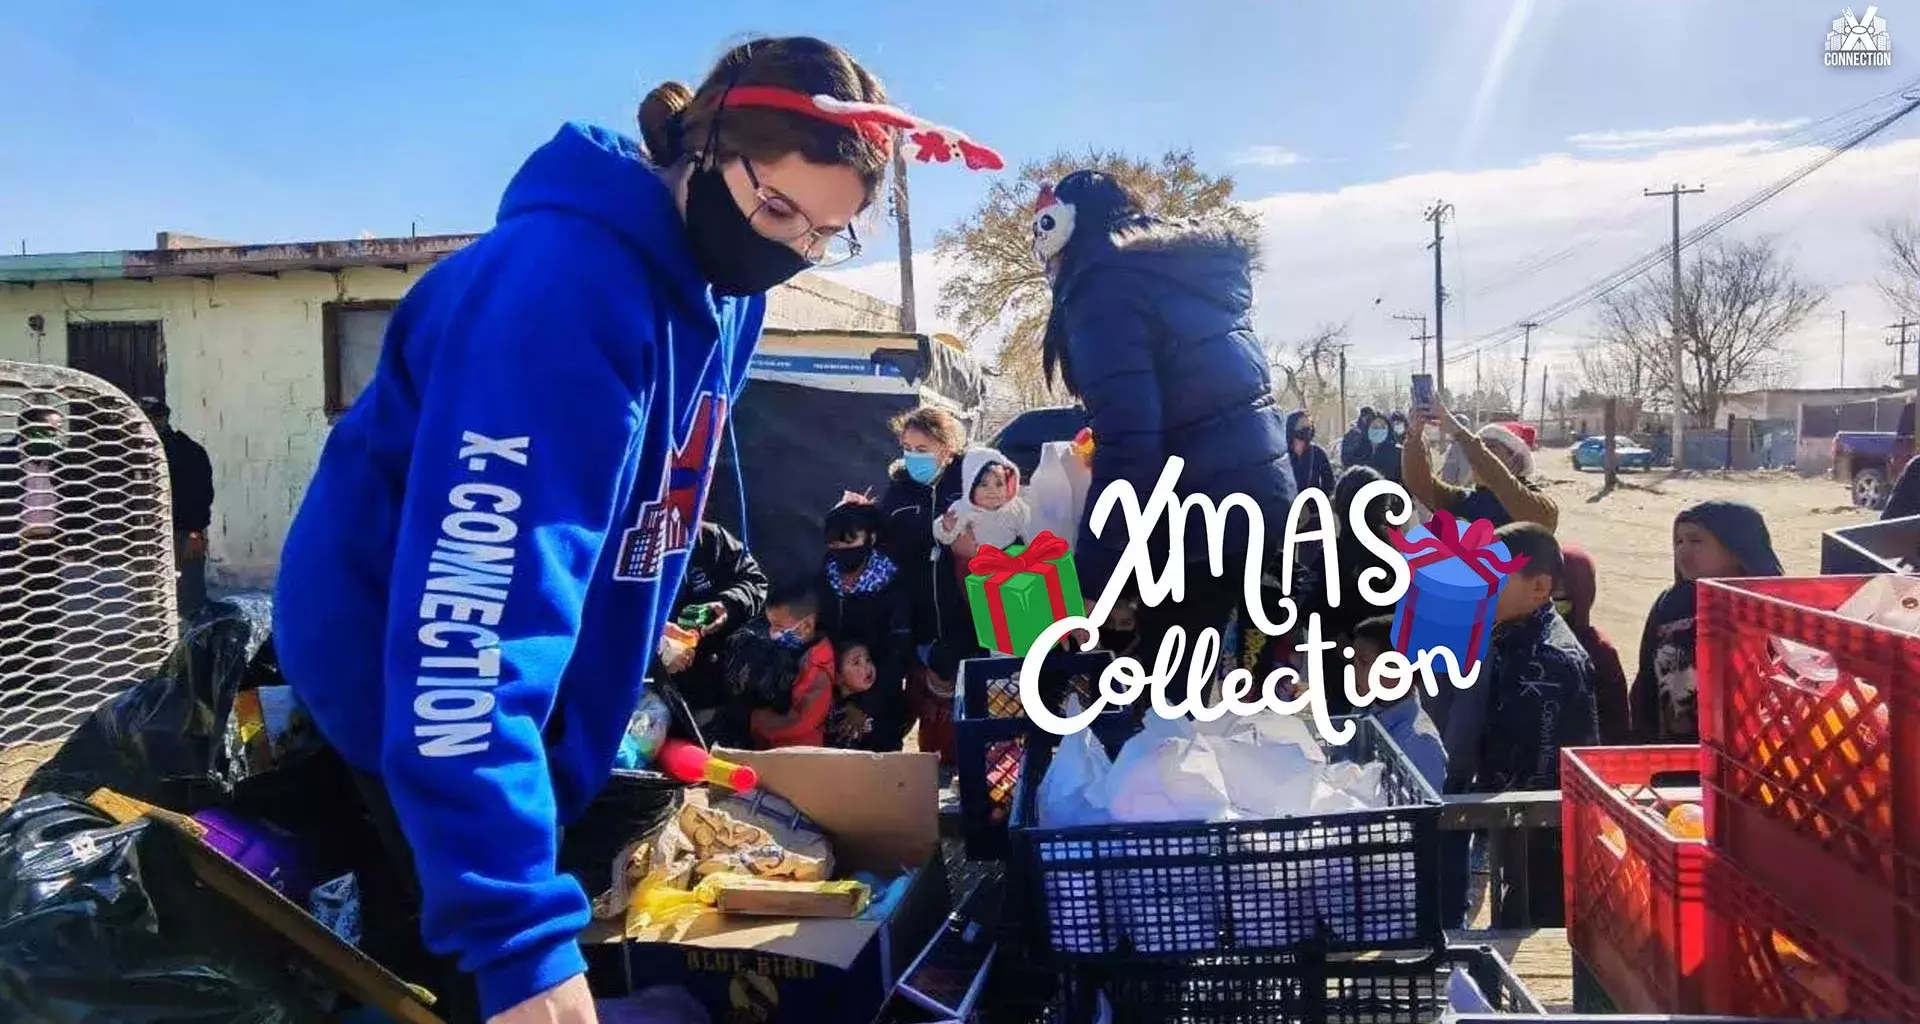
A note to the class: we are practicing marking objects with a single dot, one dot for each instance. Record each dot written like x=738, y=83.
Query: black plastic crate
x=1355, y=881
x=1885, y=546
x=1260, y=989
x=989, y=727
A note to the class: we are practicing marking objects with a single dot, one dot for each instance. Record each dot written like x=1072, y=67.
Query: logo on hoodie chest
x=667, y=522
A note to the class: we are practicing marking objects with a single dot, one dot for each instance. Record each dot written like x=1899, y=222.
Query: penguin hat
x=1083, y=196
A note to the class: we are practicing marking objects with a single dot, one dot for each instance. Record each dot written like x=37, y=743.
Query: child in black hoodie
x=1711, y=539
x=863, y=601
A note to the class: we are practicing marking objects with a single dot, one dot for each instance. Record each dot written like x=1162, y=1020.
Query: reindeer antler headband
x=876, y=122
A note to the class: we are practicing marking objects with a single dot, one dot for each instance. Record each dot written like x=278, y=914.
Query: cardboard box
x=882, y=812
x=336, y=963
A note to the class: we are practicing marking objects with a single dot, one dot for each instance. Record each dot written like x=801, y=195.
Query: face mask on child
x=1376, y=434
x=922, y=467
x=788, y=639
x=849, y=559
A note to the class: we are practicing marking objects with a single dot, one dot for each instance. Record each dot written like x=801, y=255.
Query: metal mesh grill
x=87, y=602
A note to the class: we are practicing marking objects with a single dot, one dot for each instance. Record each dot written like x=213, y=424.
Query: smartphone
x=1422, y=394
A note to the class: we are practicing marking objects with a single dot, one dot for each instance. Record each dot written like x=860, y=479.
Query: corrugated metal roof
x=143, y=264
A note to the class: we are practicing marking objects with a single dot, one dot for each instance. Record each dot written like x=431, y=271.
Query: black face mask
x=849, y=559
x=732, y=256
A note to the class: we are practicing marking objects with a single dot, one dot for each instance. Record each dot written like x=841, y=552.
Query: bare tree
x=1900, y=258
x=1615, y=369
x=1308, y=370
x=1739, y=302
x=1001, y=288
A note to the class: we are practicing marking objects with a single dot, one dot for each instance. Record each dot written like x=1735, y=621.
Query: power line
x=1626, y=274
x=1820, y=132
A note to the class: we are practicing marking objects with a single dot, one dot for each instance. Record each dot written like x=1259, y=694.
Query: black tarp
x=813, y=421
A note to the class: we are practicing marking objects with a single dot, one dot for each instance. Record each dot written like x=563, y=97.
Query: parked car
x=1591, y=453
x=1869, y=461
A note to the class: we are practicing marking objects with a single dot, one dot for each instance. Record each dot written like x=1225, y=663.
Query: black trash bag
x=87, y=935
x=163, y=740
x=633, y=805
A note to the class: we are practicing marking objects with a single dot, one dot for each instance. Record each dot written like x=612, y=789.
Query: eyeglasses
x=780, y=218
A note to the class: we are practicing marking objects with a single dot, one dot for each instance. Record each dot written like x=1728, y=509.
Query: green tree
x=999, y=287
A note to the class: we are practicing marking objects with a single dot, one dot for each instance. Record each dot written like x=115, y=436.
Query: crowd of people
x=470, y=596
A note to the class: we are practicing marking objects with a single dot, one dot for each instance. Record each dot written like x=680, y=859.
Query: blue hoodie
x=472, y=588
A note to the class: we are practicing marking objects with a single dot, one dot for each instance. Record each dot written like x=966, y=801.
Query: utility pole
x=1423, y=337
x=1436, y=214
x=1903, y=326
x=909, y=320
x=1544, y=370
x=1843, y=348
x=1679, y=366
x=1526, y=353
x=1343, y=383
x=1478, y=391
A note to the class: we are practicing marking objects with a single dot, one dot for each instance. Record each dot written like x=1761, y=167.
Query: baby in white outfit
x=992, y=507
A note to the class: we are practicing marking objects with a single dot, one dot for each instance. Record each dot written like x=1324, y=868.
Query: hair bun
x=661, y=130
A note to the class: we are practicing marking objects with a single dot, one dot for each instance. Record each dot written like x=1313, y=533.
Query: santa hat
x=978, y=460
x=1497, y=436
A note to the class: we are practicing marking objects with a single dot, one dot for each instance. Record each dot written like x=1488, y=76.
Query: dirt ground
x=1628, y=532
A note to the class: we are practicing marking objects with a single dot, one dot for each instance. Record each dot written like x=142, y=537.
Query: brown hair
x=944, y=427
x=676, y=122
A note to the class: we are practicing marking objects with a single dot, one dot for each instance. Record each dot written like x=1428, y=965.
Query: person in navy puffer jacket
x=1152, y=329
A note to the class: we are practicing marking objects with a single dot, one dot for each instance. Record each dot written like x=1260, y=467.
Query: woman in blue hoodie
x=474, y=585
x=1152, y=329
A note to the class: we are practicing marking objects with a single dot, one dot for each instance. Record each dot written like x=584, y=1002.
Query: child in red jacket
x=791, y=620
x=1574, y=599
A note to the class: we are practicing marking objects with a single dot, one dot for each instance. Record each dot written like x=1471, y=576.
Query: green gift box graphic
x=1017, y=593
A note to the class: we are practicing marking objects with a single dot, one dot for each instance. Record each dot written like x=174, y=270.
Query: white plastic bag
x=1058, y=492
x=1168, y=772
x=1270, y=762
x=1073, y=792
x=1889, y=601
x=1345, y=786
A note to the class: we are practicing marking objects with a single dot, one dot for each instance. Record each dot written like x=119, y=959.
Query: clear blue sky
x=271, y=121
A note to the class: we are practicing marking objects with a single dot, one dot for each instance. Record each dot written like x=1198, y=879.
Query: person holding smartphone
x=1503, y=490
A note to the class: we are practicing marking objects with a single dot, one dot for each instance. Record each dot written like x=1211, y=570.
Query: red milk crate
x=1764, y=961
x=1636, y=893
x=1812, y=772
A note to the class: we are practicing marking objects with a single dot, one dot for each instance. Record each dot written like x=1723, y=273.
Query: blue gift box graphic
x=1458, y=572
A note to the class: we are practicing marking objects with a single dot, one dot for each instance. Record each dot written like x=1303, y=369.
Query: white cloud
x=1524, y=237
x=1400, y=147
x=1681, y=135
x=1267, y=156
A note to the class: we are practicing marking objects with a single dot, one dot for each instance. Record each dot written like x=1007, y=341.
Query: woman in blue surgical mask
x=921, y=486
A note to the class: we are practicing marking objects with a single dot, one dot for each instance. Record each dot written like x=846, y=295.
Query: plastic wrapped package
x=1072, y=792
x=100, y=922
x=164, y=739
